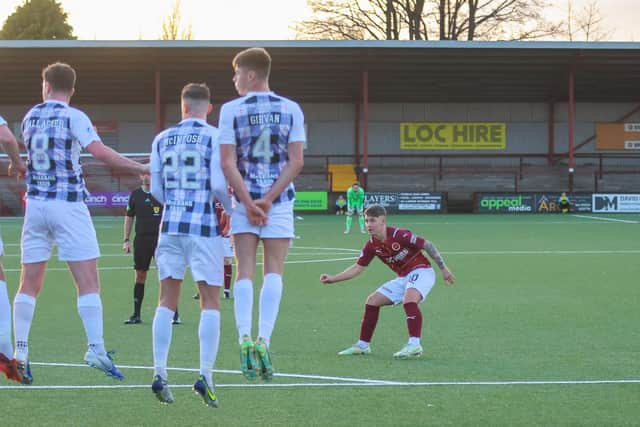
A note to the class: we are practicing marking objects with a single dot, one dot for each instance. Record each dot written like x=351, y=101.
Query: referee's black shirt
x=147, y=211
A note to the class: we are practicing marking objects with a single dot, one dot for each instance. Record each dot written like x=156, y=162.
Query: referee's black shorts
x=144, y=248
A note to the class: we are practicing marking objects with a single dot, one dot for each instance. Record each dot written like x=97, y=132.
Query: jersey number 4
x=261, y=147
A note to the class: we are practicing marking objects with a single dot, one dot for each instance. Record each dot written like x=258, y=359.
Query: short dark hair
x=196, y=92
x=61, y=76
x=356, y=183
x=375, y=211
x=256, y=59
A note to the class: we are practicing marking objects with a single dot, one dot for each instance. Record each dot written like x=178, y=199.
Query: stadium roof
x=332, y=71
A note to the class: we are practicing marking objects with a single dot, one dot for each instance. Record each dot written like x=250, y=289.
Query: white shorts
x=421, y=279
x=279, y=224
x=68, y=224
x=203, y=255
x=360, y=210
x=227, y=247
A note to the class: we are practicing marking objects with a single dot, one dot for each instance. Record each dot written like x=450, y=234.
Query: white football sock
x=414, y=340
x=362, y=344
x=162, y=339
x=6, y=347
x=90, y=310
x=270, y=297
x=209, y=334
x=23, y=307
x=243, y=306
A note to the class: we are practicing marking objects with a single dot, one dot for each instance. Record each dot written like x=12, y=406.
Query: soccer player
x=261, y=143
x=355, y=203
x=8, y=366
x=54, y=133
x=186, y=177
x=400, y=250
x=147, y=212
x=564, y=202
x=341, y=205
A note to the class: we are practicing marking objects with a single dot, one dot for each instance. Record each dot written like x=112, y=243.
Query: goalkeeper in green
x=355, y=203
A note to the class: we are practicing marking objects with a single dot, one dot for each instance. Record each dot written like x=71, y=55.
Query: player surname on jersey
x=187, y=139
x=264, y=119
x=46, y=123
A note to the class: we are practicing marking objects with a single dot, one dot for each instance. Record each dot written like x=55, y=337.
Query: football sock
x=176, y=315
x=362, y=344
x=414, y=319
x=243, y=306
x=369, y=321
x=6, y=347
x=361, y=221
x=161, y=332
x=349, y=220
x=138, y=296
x=23, y=307
x=90, y=310
x=270, y=297
x=227, y=276
x=209, y=334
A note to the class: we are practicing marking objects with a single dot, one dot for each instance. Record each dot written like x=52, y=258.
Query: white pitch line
x=308, y=261
x=227, y=371
x=545, y=252
x=626, y=221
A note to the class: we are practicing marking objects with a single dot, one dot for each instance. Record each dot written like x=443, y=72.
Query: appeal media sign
x=453, y=136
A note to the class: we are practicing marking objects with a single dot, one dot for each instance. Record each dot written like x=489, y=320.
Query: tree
x=172, y=23
x=427, y=19
x=37, y=20
x=587, y=24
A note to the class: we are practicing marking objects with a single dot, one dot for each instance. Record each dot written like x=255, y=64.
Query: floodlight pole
x=571, y=126
x=551, y=136
x=365, y=128
x=158, y=104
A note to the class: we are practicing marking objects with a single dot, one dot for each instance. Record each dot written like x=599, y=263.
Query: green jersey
x=355, y=199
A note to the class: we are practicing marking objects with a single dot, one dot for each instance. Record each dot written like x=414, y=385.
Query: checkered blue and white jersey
x=261, y=125
x=2, y=121
x=54, y=134
x=184, y=156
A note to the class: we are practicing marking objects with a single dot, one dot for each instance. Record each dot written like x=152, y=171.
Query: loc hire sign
x=453, y=136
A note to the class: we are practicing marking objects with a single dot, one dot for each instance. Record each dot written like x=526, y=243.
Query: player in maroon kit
x=401, y=250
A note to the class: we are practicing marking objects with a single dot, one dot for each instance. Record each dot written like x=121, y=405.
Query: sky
x=256, y=19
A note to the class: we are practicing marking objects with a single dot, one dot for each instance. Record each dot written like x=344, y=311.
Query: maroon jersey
x=401, y=251
x=223, y=220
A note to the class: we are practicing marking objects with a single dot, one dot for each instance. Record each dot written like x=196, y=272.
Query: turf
x=540, y=328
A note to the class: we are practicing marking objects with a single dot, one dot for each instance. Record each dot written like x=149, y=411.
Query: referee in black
x=148, y=213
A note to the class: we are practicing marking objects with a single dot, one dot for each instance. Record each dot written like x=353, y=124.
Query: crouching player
x=401, y=250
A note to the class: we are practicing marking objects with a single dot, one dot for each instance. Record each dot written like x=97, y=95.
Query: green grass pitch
x=541, y=328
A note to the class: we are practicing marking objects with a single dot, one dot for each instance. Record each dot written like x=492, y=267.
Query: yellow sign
x=453, y=136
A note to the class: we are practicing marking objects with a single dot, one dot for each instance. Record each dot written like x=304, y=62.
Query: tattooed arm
x=433, y=252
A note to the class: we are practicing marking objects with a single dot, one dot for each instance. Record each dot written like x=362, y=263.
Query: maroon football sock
x=369, y=321
x=227, y=277
x=414, y=319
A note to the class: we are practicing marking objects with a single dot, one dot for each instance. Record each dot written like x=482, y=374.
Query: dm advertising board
x=625, y=203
